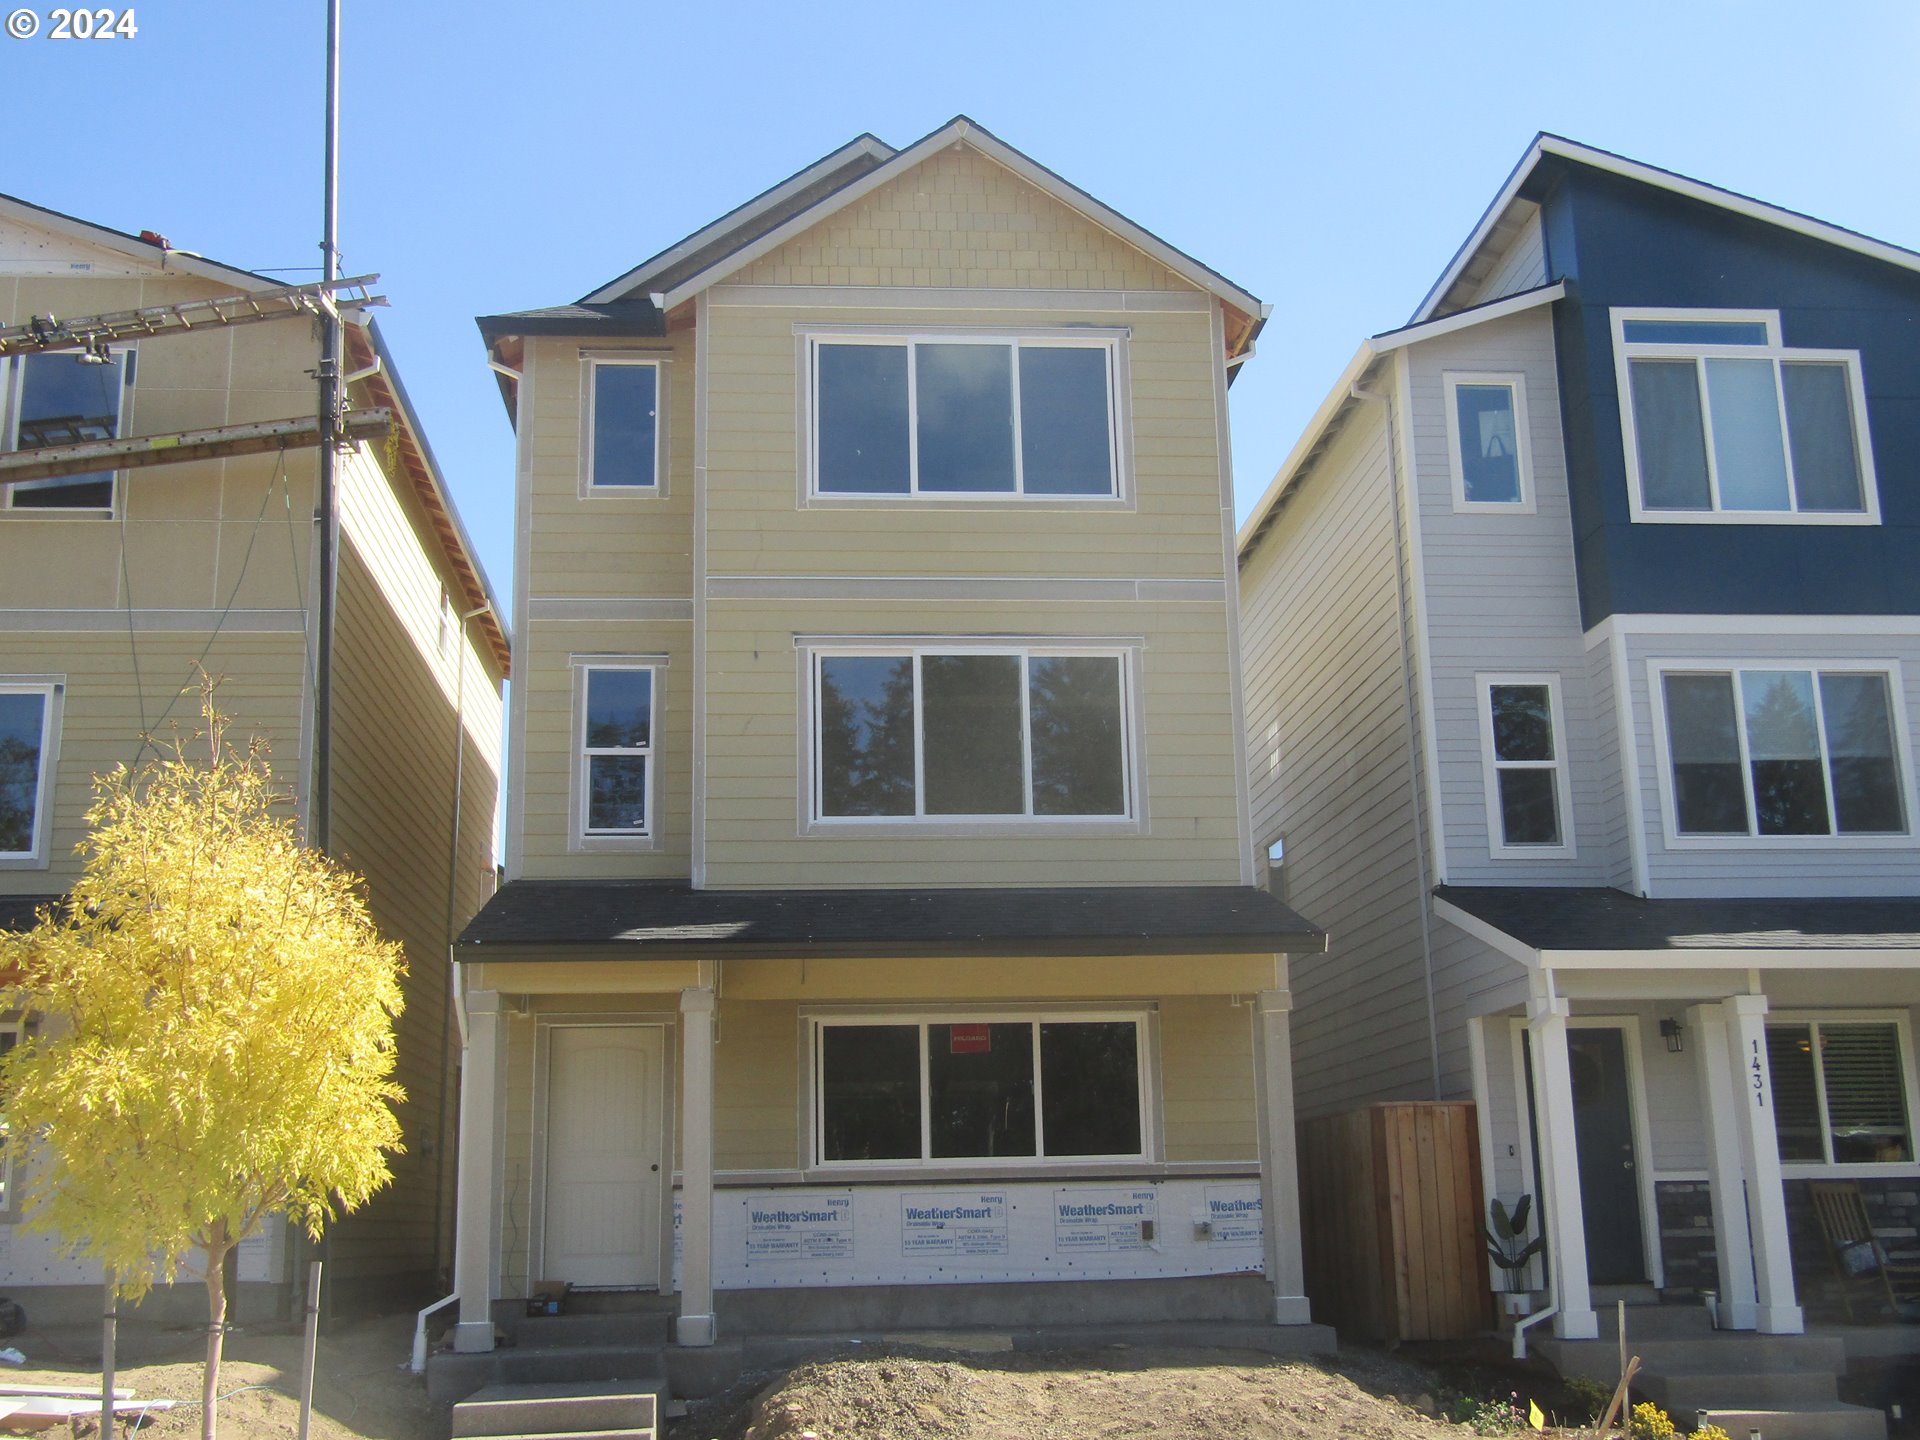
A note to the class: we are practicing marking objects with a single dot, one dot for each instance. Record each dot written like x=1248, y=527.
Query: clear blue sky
x=1328, y=157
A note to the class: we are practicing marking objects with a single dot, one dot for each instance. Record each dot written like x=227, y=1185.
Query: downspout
x=1402, y=618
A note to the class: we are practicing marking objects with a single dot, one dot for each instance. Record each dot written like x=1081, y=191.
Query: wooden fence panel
x=1391, y=1212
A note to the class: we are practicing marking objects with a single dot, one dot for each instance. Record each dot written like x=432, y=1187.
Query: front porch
x=993, y=1136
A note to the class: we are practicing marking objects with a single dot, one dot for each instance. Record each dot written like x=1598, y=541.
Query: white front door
x=603, y=1129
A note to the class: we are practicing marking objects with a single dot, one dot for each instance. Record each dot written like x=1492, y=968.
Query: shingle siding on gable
x=959, y=219
x=1623, y=244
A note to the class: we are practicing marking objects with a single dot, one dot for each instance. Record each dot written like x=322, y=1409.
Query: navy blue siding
x=1618, y=242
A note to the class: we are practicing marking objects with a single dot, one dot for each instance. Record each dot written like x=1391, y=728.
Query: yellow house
x=883, y=944
x=117, y=585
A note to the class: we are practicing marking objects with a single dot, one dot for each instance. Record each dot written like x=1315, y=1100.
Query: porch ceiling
x=548, y=919
x=1576, y=926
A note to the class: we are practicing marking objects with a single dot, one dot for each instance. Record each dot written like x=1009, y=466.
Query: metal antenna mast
x=320, y=802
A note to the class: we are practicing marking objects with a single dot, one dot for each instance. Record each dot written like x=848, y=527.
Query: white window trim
x=53, y=689
x=1133, y=769
x=1516, y=383
x=590, y=361
x=1899, y=1019
x=1623, y=352
x=813, y=1098
x=1491, y=765
x=579, y=838
x=1659, y=667
x=1119, y=413
x=15, y=375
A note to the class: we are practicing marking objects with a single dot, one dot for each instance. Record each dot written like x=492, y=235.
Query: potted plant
x=1510, y=1249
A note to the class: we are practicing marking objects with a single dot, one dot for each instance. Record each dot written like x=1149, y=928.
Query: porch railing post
x=1279, y=1157
x=473, y=1247
x=1777, y=1310
x=1564, y=1221
x=695, y=1325
x=1732, y=1240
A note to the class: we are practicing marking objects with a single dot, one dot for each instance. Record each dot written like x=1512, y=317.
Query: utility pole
x=320, y=802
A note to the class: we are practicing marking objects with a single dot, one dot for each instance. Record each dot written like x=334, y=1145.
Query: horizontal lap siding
x=1523, y=267
x=105, y=711
x=753, y=715
x=393, y=715
x=1327, y=743
x=551, y=728
x=1206, y=1078
x=756, y=1069
x=1499, y=596
x=1808, y=867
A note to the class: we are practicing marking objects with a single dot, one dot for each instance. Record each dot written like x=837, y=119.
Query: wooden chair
x=1857, y=1257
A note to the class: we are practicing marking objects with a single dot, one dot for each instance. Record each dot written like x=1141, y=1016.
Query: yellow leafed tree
x=215, y=1030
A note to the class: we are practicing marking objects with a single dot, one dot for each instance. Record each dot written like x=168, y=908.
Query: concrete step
x=563, y=1408
x=1605, y=1297
x=1656, y=1321
x=1721, y=1352
x=542, y=1332
x=1684, y=1392
x=1829, y=1421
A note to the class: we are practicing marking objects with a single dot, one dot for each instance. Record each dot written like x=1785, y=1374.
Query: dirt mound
x=1117, y=1394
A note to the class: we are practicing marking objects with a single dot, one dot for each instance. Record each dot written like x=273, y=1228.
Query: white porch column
x=1563, y=1220
x=695, y=1325
x=1279, y=1157
x=1777, y=1312
x=1732, y=1239
x=482, y=1079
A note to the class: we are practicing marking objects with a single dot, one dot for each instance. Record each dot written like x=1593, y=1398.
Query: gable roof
x=822, y=189
x=1327, y=421
x=420, y=470
x=1485, y=234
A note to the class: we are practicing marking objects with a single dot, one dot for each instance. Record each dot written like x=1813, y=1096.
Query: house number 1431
x=1758, y=1069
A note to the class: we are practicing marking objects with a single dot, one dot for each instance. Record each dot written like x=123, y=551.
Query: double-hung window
x=1524, y=758
x=1723, y=422
x=903, y=1090
x=1771, y=751
x=615, y=771
x=62, y=398
x=1488, y=449
x=964, y=416
x=1842, y=1089
x=621, y=447
x=973, y=734
x=27, y=716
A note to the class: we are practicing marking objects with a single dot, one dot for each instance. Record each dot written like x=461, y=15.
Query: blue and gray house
x=1582, y=636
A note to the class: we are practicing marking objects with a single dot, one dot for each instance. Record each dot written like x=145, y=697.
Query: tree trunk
x=217, y=1247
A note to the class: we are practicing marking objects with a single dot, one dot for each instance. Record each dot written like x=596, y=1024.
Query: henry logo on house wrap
x=973, y=1223
x=1234, y=1215
x=800, y=1226
x=1104, y=1219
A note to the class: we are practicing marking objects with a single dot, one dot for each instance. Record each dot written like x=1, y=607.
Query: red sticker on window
x=969, y=1039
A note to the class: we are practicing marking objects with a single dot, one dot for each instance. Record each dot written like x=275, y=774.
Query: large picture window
x=1841, y=1090
x=63, y=398
x=907, y=1091
x=964, y=416
x=26, y=722
x=615, y=751
x=1723, y=422
x=972, y=734
x=1783, y=751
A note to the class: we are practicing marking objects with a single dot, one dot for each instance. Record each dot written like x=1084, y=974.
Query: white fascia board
x=1491, y=935
x=1370, y=350
x=637, y=277
x=184, y=261
x=1666, y=180
x=1001, y=154
x=1671, y=958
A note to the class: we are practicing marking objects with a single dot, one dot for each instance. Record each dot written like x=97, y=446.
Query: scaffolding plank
x=50, y=462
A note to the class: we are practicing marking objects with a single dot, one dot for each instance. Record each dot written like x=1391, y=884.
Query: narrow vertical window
x=23, y=745
x=616, y=751
x=1527, y=779
x=1486, y=423
x=624, y=424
